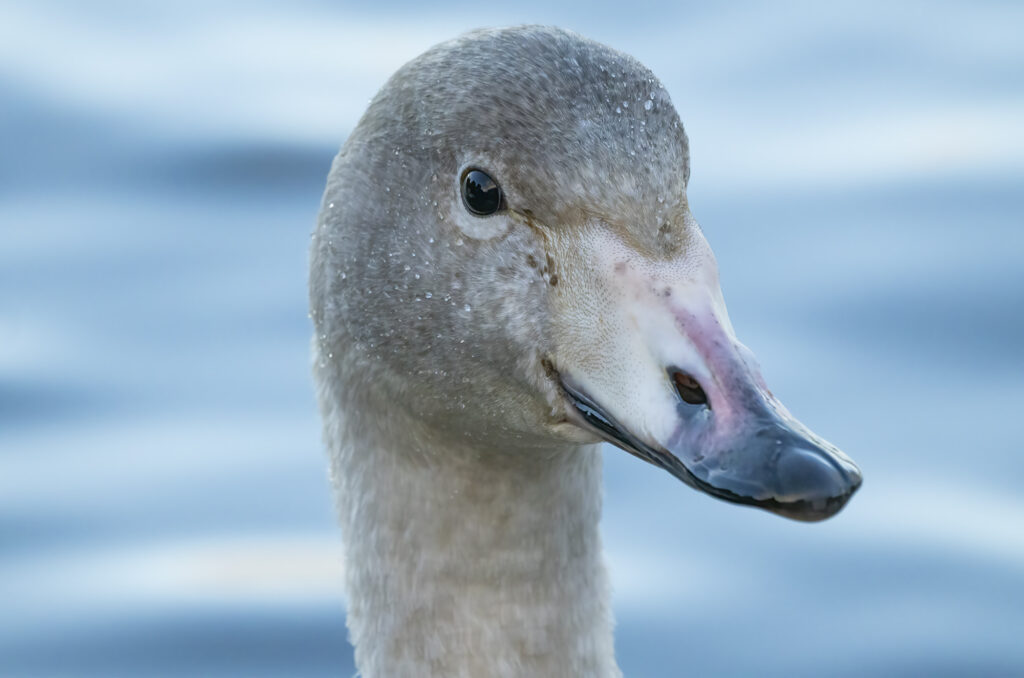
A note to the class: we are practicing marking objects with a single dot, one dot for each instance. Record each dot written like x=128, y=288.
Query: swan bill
x=819, y=484
x=656, y=370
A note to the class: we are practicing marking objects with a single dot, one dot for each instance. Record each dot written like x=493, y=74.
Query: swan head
x=506, y=253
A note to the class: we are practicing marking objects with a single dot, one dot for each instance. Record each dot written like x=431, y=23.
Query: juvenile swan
x=504, y=274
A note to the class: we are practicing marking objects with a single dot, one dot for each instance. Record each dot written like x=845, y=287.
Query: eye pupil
x=481, y=193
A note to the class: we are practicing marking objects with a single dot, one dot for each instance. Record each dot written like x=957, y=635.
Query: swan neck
x=468, y=561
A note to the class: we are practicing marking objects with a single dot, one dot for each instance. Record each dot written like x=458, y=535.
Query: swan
x=505, y=273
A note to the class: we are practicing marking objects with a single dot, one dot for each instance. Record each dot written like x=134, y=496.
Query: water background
x=164, y=508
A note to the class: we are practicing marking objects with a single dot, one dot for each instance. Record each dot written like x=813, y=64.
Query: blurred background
x=164, y=507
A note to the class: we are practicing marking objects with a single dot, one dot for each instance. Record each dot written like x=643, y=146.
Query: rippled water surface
x=164, y=508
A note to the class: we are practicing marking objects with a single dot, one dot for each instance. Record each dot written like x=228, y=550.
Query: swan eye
x=481, y=193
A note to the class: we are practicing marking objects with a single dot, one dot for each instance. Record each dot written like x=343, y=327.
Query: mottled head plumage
x=573, y=130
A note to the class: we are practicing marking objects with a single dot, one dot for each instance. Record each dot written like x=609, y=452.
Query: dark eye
x=481, y=193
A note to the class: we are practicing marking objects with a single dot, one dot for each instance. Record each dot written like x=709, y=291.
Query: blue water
x=164, y=508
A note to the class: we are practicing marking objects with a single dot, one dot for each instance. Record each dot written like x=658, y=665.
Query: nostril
x=689, y=389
